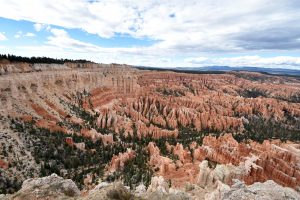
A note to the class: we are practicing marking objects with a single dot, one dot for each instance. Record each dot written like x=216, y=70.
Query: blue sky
x=173, y=33
x=16, y=31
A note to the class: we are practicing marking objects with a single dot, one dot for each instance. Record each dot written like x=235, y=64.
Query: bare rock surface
x=114, y=191
x=55, y=187
x=257, y=191
x=50, y=187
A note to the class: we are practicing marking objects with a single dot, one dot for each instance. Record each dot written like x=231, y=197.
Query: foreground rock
x=106, y=191
x=50, y=187
x=55, y=187
x=257, y=191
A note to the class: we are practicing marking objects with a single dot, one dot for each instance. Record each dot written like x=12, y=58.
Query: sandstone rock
x=119, y=161
x=114, y=191
x=94, y=136
x=100, y=186
x=163, y=196
x=140, y=190
x=54, y=187
x=205, y=173
x=158, y=184
x=260, y=191
x=50, y=187
x=218, y=193
x=209, y=177
x=251, y=163
x=159, y=189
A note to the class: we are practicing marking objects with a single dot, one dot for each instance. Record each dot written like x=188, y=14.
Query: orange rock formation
x=160, y=104
x=118, y=161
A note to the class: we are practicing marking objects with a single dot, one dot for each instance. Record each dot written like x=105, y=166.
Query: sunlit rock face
x=199, y=129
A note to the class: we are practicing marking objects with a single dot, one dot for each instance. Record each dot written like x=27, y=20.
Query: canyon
x=149, y=129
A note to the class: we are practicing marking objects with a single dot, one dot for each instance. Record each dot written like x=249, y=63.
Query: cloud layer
x=257, y=61
x=193, y=29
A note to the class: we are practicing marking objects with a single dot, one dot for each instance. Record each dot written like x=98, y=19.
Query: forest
x=32, y=60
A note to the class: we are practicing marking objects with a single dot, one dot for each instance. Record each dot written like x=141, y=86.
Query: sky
x=158, y=33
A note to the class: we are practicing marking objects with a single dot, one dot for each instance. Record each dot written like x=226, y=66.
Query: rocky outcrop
x=266, y=190
x=160, y=164
x=159, y=189
x=212, y=174
x=55, y=187
x=34, y=86
x=158, y=184
x=106, y=191
x=119, y=161
x=51, y=187
x=224, y=159
x=94, y=136
x=178, y=173
x=253, y=162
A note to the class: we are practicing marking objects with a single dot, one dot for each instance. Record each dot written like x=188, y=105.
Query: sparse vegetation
x=170, y=92
x=56, y=156
x=259, y=129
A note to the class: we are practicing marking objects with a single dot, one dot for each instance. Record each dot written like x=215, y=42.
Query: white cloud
x=61, y=45
x=257, y=61
x=38, y=27
x=196, y=60
x=20, y=34
x=29, y=34
x=2, y=37
x=61, y=39
x=182, y=29
x=195, y=26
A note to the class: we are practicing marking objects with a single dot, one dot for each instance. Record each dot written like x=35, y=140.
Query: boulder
x=258, y=191
x=49, y=187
